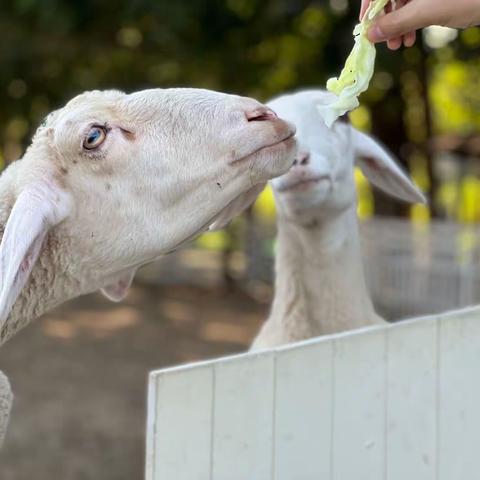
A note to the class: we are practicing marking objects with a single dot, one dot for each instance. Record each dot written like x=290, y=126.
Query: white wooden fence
x=400, y=402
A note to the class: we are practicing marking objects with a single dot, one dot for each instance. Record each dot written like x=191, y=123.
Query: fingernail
x=375, y=34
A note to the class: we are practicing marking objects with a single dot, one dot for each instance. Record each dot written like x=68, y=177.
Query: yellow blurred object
x=361, y=118
x=419, y=171
x=213, y=240
x=366, y=205
x=420, y=214
x=454, y=96
x=264, y=207
x=447, y=198
x=469, y=204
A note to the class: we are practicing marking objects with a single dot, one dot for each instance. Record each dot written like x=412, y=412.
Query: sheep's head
x=130, y=177
x=321, y=182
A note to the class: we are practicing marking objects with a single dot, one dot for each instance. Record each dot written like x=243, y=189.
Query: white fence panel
x=243, y=418
x=459, y=398
x=394, y=402
x=411, y=399
x=359, y=406
x=180, y=424
x=304, y=412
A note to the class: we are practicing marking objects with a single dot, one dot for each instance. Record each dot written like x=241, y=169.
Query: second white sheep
x=320, y=285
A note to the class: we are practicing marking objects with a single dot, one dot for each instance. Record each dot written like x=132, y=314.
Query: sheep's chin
x=235, y=207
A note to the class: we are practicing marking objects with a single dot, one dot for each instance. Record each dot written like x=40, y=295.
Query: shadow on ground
x=79, y=376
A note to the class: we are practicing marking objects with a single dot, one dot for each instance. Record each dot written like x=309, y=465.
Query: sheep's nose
x=303, y=158
x=260, y=114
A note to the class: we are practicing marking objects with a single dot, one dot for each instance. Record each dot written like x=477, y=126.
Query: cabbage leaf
x=358, y=71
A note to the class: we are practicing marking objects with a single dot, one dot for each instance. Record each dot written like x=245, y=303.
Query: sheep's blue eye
x=95, y=137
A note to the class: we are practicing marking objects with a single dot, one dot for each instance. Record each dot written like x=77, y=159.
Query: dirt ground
x=79, y=376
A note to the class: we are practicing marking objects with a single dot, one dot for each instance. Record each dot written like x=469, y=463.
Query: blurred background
x=79, y=374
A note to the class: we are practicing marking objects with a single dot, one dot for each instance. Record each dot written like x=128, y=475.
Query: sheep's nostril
x=303, y=158
x=261, y=114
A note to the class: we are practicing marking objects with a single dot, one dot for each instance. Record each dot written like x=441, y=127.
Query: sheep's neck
x=320, y=285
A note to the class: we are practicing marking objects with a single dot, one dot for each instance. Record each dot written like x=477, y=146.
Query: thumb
x=395, y=24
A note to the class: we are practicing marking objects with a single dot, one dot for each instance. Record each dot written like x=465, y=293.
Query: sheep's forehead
x=88, y=104
x=138, y=106
x=312, y=133
x=174, y=101
x=95, y=96
x=302, y=109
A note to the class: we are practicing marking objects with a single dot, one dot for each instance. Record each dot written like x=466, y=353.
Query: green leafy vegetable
x=358, y=71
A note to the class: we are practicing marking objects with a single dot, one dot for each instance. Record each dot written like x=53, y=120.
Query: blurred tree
x=52, y=50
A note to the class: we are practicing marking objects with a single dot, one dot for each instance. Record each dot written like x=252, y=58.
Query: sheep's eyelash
x=104, y=125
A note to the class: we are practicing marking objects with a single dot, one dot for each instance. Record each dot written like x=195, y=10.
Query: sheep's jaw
x=221, y=219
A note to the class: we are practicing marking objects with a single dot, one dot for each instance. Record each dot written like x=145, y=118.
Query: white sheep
x=113, y=181
x=320, y=285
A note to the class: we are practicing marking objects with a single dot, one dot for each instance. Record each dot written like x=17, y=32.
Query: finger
x=409, y=39
x=394, y=43
x=363, y=8
x=392, y=25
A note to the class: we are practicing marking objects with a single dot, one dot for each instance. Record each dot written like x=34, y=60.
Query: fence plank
x=243, y=418
x=459, y=412
x=359, y=406
x=179, y=443
x=303, y=419
x=411, y=392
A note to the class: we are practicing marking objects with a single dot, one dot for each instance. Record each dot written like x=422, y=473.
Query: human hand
x=399, y=26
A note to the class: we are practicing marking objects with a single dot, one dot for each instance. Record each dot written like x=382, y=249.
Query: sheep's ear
x=236, y=207
x=38, y=208
x=118, y=290
x=380, y=168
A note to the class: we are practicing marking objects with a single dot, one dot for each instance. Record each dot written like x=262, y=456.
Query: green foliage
x=52, y=50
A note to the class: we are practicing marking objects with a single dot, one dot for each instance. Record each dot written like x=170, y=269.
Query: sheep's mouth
x=288, y=141
x=302, y=184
